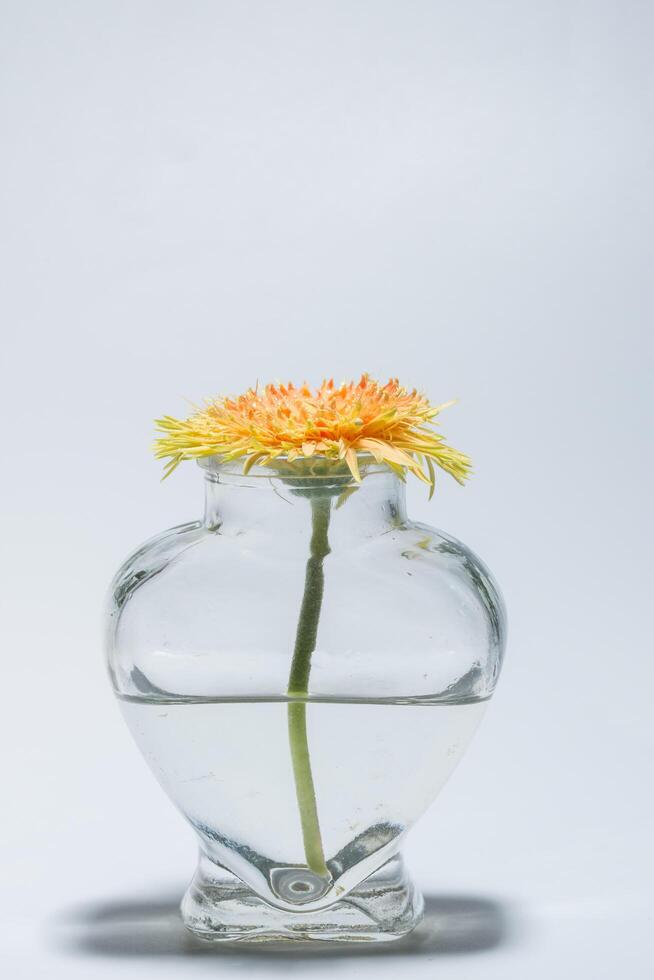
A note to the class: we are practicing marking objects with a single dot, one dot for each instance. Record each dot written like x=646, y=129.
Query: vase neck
x=235, y=503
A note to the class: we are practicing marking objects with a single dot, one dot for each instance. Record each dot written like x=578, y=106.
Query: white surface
x=196, y=195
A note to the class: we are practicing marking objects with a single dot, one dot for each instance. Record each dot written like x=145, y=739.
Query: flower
x=285, y=422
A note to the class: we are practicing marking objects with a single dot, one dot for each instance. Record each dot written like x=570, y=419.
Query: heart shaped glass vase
x=302, y=669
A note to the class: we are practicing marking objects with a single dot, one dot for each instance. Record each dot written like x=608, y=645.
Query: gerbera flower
x=331, y=428
x=386, y=421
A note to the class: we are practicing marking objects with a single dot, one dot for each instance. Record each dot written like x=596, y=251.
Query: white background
x=199, y=194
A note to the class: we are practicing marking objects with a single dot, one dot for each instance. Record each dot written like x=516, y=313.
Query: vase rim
x=303, y=469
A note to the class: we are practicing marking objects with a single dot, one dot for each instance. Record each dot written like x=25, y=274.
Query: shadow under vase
x=451, y=925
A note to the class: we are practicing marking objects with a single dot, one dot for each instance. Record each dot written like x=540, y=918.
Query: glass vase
x=302, y=669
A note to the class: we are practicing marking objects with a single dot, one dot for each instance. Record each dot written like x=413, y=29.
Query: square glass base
x=220, y=908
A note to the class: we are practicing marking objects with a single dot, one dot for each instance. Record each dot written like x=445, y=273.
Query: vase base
x=218, y=907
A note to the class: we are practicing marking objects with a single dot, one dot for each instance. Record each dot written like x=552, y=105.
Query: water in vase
x=227, y=766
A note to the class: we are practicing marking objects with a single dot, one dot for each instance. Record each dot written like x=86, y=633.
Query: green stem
x=298, y=685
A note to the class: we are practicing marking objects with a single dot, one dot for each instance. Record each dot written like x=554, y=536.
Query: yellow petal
x=432, y=476
x=353, y=463
x=250, y=461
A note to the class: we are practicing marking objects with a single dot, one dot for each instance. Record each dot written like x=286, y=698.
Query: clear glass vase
x=302, y=670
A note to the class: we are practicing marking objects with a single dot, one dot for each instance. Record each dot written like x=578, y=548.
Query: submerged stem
x=298, y=684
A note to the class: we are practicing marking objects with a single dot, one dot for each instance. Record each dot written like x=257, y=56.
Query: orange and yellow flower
x=337, y=422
